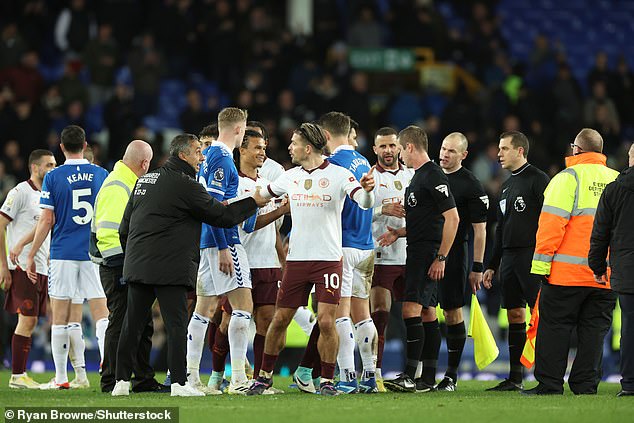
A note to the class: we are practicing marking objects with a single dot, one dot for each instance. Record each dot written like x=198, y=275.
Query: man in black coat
x=160, y=236
x=613, y=228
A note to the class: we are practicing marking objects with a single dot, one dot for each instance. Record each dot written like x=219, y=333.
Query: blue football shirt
x=356, y=223
x=70, y=191
x=218, y=173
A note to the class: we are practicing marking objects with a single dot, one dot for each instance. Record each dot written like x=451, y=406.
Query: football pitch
x=470, y=404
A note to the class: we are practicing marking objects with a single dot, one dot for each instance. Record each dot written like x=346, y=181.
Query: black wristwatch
x=440, y=257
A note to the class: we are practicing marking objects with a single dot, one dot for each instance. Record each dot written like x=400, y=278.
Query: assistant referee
x=518, y=212
x=431, y=223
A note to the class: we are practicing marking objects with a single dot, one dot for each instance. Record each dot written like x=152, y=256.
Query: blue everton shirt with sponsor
x=70, y=191
x=356, y=223
x=219, y=175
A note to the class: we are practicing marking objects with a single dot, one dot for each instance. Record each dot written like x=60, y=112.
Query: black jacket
x=160, y=229
x=613, y=228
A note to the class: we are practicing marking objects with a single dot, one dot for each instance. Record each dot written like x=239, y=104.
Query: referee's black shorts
x=452, y=288
x=419, y=288
x=519, y=286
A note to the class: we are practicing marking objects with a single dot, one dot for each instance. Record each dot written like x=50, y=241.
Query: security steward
x=431, y=222
x=105, y=250
x=518, y=211
x=571, y=297
x=473, y=205
x=160, y=235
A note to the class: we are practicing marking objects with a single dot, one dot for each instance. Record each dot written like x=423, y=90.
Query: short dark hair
x=258, y=124
x=73, y=138
x=517, y=140
x=36, y=155
x=385, y=132
x=313, y=134
x=250, y=133
x=414, y=135
x=181, y=143
x=209, y=131
x=337, y=123
x=353, y=125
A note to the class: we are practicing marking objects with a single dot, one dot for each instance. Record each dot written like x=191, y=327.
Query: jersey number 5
x=78, y=204
x=331, y=281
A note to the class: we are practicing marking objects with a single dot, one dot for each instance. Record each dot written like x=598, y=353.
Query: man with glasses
x=571, y=298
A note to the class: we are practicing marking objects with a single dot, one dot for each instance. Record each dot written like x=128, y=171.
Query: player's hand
x=388, y=238
x=5, y=278
x=367, y=180
x=259, y=199
x=393, y=209
x=487, y=278
x=15, y=252
x=475, y=280
x=30, y=269
x=601, y=279
x=225, y=264
x=437, y=270
x=285, y=206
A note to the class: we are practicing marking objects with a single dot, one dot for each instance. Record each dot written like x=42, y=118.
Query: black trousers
x=627, y=341
x=117, y=298
x=563, y=309
x=173, y=303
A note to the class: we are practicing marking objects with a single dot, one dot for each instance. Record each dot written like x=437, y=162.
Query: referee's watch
x=440, y=257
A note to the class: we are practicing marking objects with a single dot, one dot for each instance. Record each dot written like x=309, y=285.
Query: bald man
x=472, y=204
x=571, y=298
x=105, y=250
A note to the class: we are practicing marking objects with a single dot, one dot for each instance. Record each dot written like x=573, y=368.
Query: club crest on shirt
x=219, y=174
x=323, y=183
x=411, y=200
x=308, y=183
x=398, y=185
x=520, y=204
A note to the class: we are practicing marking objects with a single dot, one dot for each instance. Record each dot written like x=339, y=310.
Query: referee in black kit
x=518, y=212
x=472, y=204
x=431, y=221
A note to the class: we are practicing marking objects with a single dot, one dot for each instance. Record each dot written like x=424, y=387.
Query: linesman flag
x=485, y=350
x=528, y=354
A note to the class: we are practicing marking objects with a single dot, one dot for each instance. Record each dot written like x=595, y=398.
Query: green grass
x=469, y=404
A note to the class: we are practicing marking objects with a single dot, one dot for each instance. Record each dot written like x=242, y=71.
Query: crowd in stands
x=108, y=66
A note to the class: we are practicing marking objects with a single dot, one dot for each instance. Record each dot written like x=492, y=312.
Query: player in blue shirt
x=224, y=269
x=67, y=201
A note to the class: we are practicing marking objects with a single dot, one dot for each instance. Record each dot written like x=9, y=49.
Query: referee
x=518, y=212
x=431, y=221
x=472, y=204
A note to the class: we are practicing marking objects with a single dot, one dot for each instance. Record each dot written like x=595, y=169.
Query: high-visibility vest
x=110, y=204
x=565, y=223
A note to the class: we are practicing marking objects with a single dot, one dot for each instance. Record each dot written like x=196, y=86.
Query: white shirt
x=22, y=208
x=260, y=244
x=389, y=188
x=316, y=198
x=271, y=170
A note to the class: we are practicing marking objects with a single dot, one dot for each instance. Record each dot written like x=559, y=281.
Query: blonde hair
x=230, y=116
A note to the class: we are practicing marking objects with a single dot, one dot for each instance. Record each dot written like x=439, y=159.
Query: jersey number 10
x=79, y=204
x=331, y=281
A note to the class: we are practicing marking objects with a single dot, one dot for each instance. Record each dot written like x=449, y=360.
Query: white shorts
x=211, y=281
x=358, y=268
x=74, y=280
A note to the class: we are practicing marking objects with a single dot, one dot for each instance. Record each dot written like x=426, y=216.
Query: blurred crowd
x=101, y=64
